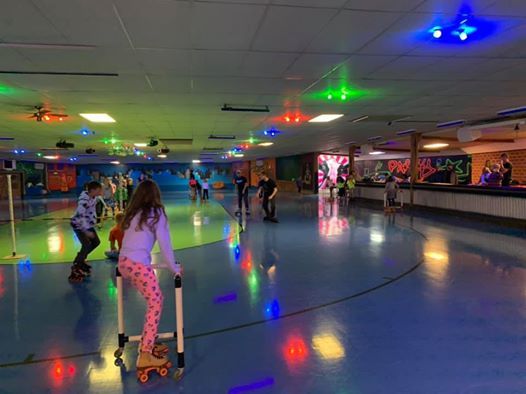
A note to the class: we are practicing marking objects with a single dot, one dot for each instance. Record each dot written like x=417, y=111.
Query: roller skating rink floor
x=333, y=299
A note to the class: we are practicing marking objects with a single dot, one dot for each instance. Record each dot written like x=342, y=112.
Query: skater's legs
x=273, y=207
x=245, y=198
x=239, y=200
x=86, y=247
x=144, y=280
x=265, y=206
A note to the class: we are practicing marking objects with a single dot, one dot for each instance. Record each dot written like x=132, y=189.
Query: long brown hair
x=146, y=201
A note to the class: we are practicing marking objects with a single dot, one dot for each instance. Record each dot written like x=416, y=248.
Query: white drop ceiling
x=178, y=62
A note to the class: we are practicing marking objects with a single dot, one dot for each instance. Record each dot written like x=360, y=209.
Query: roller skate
x=85, y=268
x=160, y=349
x=148, y=362
x=76, y=276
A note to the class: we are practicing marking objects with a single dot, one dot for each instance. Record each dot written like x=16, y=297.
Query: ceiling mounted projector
x=163, y=151
x=62, y=144
x=90, y=151
x=153, y=142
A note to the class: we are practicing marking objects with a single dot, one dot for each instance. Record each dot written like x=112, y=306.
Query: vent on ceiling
x=221, y=137
x=81, y=74
x=242, y=108
x=376, y=138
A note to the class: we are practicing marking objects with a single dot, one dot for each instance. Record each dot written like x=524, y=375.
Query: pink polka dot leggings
x=145, y=281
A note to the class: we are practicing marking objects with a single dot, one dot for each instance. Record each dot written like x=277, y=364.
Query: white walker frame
x=177, y=334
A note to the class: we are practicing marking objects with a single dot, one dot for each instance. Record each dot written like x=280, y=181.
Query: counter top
x=515, y=191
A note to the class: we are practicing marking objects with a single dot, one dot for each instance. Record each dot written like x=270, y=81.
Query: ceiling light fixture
x=359, y=119
x=196, y=161
x=141, y=144
x=436, y=145
x=377, y=152
x=453, y=123
x=325, y=118
x=55, y=157
x=239, y=155
x=98, y=118
x=511, y=111
x=265, y=144
x=162, y=156
x=115, y=162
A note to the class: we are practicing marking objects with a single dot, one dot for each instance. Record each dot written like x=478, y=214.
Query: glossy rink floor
x=330, y=300
x=44, y=235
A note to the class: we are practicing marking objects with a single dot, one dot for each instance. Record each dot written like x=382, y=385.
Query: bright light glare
x=437, y=145
x=98, y=118
x=325, y=118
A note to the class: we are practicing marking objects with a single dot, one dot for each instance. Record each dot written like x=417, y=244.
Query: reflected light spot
x=436, y=256
x=328, y=346
x=295, y=351
x=272, y=309
x=54, y=243
x=376, y=237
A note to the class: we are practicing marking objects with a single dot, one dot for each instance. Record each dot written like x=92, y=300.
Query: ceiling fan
x=42, y=114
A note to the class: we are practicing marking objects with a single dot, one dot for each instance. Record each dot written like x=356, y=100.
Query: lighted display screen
x=331, y=167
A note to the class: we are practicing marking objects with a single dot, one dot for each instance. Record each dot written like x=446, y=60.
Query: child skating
x=391, y=189
x=115, y=238
x=144, y=223
x=83, y=223
x=205, y=190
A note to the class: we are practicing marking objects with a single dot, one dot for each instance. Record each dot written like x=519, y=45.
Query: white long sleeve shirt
x=137, y=244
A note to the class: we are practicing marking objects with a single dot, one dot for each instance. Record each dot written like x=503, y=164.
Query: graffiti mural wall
x=430, y=169
x=170, y=176
x=330, y=167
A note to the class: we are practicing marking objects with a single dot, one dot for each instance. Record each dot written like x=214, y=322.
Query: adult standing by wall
x=506, y=169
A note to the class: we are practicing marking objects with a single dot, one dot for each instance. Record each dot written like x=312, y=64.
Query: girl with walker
x=144, y=223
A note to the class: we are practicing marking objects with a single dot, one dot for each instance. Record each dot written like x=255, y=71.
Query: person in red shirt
x=116, y=236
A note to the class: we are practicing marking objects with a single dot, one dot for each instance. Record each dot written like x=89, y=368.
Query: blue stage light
x=457, y=31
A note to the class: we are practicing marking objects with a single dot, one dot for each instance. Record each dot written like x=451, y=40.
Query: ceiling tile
x=383, y=5
x=21, y=21
x=83, y=22
x=351, y=30
x=266, y=64
x=312, y=3
x=290, y=29
x=314, y=65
